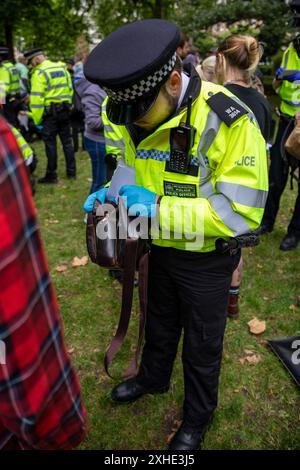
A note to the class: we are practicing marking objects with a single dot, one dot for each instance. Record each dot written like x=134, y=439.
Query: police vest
x=26, y=150
x=225, y=193
x=289, y=92
x=9, y=78
x=50, y=83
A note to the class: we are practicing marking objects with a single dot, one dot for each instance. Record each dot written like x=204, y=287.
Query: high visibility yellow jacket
x=114, y=142
x=289, y=92
x=9, y=79
x=224, y=195
x=25, y=148
x=50, y=83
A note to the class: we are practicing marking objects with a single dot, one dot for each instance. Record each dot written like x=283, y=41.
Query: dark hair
x=183, y=39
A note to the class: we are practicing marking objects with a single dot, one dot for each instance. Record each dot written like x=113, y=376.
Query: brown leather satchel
x=117, y=250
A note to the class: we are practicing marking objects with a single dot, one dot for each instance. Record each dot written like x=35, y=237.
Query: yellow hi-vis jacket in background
x=225, y=194
x=50, y=83
x=25, y=148
x=9, y=80
x=289, y=92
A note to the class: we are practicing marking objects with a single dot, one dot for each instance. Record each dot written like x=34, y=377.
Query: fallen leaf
x=89, y=180
x=53, y=221
x=79, y=261
x=257, y=326
x=170, y=437
x=248, y=352
x=71, y=350
x=242, y=360
x=266, y=298
x=293, y=307
x=61, y=268
x=253, y=359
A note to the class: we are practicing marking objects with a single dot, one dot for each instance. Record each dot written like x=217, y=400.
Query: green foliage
x=112, y=14
x=53, y=25
x=269, y=19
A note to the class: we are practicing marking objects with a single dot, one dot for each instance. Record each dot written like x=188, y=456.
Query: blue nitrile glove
x=140, y=201
x=100, y=195
x=292, y=77
x=279, y=72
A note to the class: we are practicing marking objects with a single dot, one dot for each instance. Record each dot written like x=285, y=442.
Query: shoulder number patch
x=226, y=108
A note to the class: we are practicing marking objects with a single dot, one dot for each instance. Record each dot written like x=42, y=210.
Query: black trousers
x=278, y=176
x=187, y=291
x=54, y=124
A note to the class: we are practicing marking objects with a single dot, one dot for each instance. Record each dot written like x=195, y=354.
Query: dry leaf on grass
x=293, y=307
x=250, y=357
x=257, y=326
x=79, y=261
x=71, y=350
x=259, y=266
x=61, y=268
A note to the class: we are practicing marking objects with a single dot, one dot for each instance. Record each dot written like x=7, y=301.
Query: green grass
x=259, y=405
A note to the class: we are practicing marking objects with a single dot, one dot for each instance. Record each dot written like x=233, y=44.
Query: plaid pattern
x=40, y=403
x=160, y=155
x=143, y=86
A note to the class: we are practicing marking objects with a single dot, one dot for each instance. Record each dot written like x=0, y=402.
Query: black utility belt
x=57, y=107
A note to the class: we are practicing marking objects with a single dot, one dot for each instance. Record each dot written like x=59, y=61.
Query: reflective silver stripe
x=51, y=98
x=286, y=59
x=115, y=143
x=229, y=217
x=243, y=194
x=36, y=105
x=25, y=146
x=292, y=103
x=60, y=85
x=209, y=133
x=108, y=128
x=29, y=160
x=47, y=79
x=37, y=93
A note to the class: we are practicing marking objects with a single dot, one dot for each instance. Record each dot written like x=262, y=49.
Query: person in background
x=21, y=66
x=183, y=47
x=77, y=115
x=236, y=62
x=40, y=402
x=287, y=85
x=91, y=97
x=207, y=69
x=50, y=105
x=10, y=91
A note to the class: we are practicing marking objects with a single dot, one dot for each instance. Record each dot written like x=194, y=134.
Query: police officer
x=187, y=141
x=10, y=95
x=50, y=104
x=287, y=85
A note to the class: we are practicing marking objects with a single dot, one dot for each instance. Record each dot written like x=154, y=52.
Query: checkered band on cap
x=144, y=86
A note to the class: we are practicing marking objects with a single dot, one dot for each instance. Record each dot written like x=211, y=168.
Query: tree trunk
x=8, y=28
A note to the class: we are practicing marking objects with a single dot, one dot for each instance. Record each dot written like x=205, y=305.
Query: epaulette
x=226, y=108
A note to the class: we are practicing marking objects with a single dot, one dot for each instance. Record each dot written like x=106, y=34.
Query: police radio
x=181, y=143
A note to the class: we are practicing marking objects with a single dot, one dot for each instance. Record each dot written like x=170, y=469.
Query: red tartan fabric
x=40, y=403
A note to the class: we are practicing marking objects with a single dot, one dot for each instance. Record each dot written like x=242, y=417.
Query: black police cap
x=31, y=53
x=131, y=64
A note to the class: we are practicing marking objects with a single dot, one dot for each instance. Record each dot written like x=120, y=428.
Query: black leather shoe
x=130, y=390
x=48, y=180
x=264, y=228
x=187, y=438
x=289, y=242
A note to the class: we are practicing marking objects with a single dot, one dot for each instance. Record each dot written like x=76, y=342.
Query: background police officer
x=287, y=85
x=50, y=103
x=10, y=96
x=186, y=141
